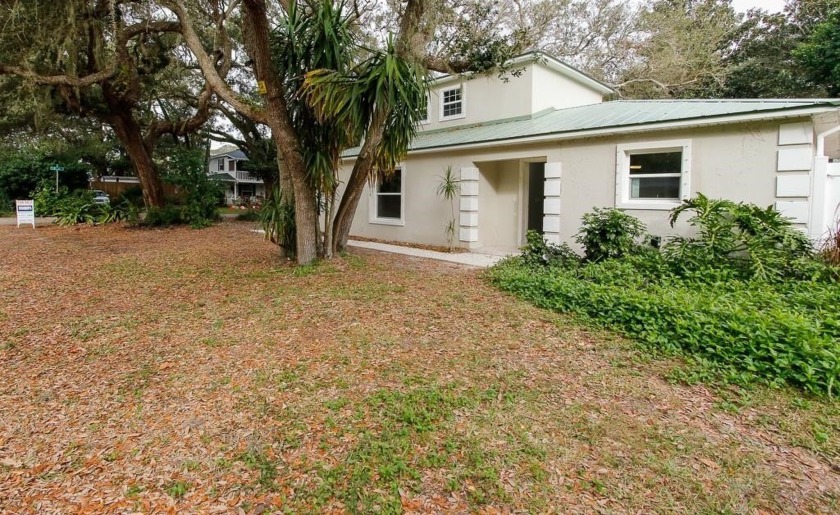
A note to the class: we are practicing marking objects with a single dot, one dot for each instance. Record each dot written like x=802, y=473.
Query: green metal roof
x=619, y=115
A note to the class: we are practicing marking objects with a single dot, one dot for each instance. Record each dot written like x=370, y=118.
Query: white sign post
x=25, y=212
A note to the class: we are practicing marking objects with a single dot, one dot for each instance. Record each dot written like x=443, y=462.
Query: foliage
x=79, y=208
x=749, y=330
x=24, y=169
x=448, y=188
x=609, y=233
x=539, y=253
x=830, y=250
x=249, y=215
x=820, y=53
x=277, y=218
x=164, y=216
x=745, y=296
x=742, y=239
x=186, y=169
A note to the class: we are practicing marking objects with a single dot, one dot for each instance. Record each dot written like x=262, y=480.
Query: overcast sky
x=767, y=5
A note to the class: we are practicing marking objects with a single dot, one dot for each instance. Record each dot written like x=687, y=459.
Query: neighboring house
x=541, y=149
x=240, y=185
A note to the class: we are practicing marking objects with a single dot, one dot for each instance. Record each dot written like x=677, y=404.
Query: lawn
x=192, y=370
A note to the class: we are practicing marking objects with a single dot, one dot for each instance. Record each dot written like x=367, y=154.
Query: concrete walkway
x=465, y=258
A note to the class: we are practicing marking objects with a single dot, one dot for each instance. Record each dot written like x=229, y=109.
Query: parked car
x=100, y=197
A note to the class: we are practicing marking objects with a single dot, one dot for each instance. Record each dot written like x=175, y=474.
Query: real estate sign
x=25, y=212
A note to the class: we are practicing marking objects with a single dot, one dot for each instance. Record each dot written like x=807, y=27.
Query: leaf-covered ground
x=193, y=371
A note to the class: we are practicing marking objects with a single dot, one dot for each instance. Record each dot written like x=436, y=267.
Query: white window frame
x=373, y=205
x=622, y=173
x=220, y=164
x=463, y=114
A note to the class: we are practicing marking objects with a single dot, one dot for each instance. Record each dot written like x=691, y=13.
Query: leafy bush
x=165, y=216
x=539, y=253
x=250, y=215
x=79, y=208
x=746, y=296
x=609, y=233
x=76, y=209
x=749, y=330
x=743, y=239
x=278, y=221
x=185, y=169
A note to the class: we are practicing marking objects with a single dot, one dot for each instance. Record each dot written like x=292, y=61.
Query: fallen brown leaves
x=179, y=370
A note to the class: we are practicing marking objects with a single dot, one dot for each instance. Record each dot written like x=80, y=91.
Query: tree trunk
x=256, y=35
x=128, y=132
x=361, y=174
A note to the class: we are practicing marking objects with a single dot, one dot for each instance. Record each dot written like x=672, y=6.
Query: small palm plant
x=449, y=187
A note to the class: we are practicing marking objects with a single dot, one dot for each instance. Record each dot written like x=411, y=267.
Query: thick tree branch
x=207, y=64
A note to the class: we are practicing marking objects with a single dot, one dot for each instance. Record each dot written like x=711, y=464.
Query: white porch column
x=468, y=221
x=551, y=205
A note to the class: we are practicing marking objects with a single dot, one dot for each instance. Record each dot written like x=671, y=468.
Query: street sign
x=25, y=212
x=56, y=169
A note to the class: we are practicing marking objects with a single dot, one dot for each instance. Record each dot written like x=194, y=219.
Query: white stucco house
x=538, y=150
x=240, y=185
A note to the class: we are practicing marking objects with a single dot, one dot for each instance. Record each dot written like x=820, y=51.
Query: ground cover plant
x=198, y=372
x=746, y=297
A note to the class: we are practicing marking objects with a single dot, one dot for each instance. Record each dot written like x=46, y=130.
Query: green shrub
x=539, y=253
x=185, y=169
x=249, y=215
x=165, y=216
x=778, y=333
x=277, y=219
x=746, y=240
x=746, y=295
x=609, y=233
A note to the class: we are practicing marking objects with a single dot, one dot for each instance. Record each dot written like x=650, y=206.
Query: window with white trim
x=220, y=165
x=653, y=175
x=387, y=199
x=452, y=103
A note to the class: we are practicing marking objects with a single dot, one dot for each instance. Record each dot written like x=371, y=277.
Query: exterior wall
x=737, y=162
x=551, y=89
x=482, y=100
x=499, y=203
x=487, y=98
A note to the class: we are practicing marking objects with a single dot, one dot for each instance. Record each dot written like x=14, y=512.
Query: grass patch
x=258, y=460
x=177, y=489
x=398, y=435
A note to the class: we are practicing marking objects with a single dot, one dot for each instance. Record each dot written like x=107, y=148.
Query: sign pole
x=56, y=168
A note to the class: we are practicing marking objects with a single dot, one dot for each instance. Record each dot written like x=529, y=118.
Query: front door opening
x=536, y=196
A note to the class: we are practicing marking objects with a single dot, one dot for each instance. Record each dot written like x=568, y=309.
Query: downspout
x=819, y=225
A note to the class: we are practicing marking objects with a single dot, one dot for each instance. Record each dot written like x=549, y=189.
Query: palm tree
x=378, y=101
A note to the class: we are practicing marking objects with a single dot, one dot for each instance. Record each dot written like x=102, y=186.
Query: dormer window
x=452, y=103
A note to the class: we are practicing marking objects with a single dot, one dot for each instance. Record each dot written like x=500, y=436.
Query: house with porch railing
x=241, y=186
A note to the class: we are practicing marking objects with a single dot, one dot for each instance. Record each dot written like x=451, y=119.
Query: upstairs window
x=387, y=202
x=220, y=165
x=652, y=175
x=452, y=103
